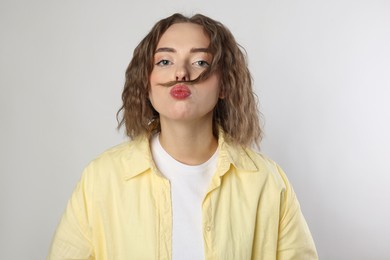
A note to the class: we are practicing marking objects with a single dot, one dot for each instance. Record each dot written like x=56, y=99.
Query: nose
x=182, y=73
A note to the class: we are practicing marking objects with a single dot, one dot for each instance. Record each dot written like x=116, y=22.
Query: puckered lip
x=180, y=91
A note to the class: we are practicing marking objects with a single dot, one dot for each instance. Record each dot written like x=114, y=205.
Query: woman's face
x=182, y=55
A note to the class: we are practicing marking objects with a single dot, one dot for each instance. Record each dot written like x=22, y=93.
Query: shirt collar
x=233, y=154
x=139, y=157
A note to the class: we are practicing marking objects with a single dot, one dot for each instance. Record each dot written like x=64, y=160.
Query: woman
x=187, y=185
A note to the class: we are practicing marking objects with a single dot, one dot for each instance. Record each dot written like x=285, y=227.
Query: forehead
x=184, y=35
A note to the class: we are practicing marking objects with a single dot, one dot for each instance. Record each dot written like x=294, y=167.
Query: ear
x=221, y=93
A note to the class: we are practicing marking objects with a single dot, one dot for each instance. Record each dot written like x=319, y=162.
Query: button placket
x=207, y=224
x=165, y=218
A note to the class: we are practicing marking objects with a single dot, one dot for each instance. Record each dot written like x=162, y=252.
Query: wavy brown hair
x=236, y=112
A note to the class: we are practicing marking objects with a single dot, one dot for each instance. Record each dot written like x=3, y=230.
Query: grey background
x=321, y=70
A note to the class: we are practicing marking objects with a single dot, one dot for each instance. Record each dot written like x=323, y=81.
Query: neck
x=191, y=144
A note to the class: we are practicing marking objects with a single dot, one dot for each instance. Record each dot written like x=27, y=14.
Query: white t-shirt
x=188, y=187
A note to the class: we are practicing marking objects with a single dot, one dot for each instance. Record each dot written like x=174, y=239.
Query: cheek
x=215, y=88
x=153, y=82
x=152, y=79
x=157, y=97
x=158, y=76
x=155, y=74
x=152, y=94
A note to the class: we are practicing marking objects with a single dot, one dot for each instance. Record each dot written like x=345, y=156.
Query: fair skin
x=185, y=110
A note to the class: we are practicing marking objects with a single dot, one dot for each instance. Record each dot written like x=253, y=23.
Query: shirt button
x=208, y=228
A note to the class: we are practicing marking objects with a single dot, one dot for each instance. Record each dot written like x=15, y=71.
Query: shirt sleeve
x=72, y=239
x=295, y=241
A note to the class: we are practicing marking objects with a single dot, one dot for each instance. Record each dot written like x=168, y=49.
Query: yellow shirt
x=121, y=209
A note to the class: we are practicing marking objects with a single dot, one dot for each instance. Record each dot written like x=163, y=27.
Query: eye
x=163, y=63
x=201, y=63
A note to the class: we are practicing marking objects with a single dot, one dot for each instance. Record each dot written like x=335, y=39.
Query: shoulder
x=113, y=155
x=257, y=165
x=268, y=168
x=120, y=159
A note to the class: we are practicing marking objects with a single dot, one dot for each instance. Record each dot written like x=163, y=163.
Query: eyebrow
x=193, y=50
